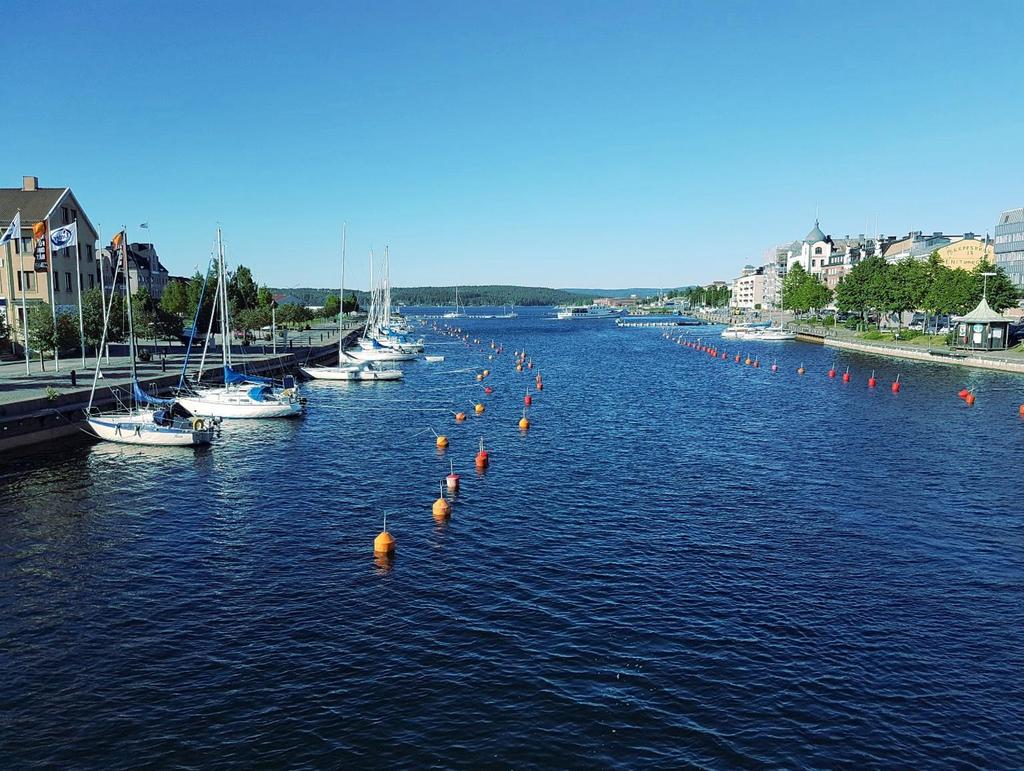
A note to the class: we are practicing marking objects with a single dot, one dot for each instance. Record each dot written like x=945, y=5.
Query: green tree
x=802, y=291
x=166, y=325
x=294, y=314
x=252, y=320
x=857, y=290
x=1001, y=293
x=264, y=297
x=242, y=290
x=907, y=284
x=195, y=289
x=144, y=314
x=92, y=317
x=175, y=298
x=44, y=336
x=331, y=307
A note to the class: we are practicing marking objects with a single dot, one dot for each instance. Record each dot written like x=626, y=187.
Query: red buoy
x=969, y=399
x=871, y=380
x=846, y=375
x=527, y=400
x=964, y=393
x=832, y=372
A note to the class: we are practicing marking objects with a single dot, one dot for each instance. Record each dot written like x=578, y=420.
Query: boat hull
x=134, y=430
x=239, y=406
x=379, y=354
x=354, y=372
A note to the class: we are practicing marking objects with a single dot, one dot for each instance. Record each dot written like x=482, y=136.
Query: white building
x=748, y=289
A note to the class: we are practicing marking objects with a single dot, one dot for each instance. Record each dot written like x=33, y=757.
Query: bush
x=852, y=323
x=909, y=334
x=874, y=334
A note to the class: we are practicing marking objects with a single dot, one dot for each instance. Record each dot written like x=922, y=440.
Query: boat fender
x=198, y=424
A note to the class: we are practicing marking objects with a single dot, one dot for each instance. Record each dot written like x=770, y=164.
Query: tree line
x=874, y=286
x=497, y=294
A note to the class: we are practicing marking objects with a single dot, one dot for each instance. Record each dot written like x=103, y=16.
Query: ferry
x=587, y=312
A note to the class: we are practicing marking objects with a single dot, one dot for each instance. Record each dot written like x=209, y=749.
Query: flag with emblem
x=63, y=237
x=13, y=232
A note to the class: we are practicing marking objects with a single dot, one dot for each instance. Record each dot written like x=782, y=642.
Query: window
x=88, y=252
x=817, y=250
x=26, y=280
x=56, y=284
x=67, y=282
x=67, y=214
x=81, y=282
x=91, y=284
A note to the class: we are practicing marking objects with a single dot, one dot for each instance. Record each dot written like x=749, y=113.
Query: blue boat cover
x=260, y=391
x=234, y=378
x=143, y=398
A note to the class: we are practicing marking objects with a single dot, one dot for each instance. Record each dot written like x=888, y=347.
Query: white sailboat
x=456, y=314
x=370, y=348
x=241, y=396
x=146, y=420
x=347, y=369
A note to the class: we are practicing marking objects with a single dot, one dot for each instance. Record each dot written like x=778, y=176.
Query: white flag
x=62, y=238
x=13, y=232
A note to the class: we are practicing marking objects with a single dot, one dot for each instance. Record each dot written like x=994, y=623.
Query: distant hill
x=638, y=291
x=445, y=295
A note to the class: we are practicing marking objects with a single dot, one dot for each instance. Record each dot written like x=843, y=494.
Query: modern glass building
x=1010, y=244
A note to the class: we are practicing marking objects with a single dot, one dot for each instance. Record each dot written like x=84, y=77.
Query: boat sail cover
x=234, y=378
x=144, y=398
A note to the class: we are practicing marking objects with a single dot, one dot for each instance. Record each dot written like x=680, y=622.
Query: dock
x=43, y=405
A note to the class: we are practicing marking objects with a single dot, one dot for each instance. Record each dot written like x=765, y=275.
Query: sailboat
x=146, y=420
x=241, y=395
x=370, y=347
x=348, y=369
x=456, y=314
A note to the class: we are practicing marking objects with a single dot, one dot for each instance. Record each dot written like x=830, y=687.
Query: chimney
x=29, y=183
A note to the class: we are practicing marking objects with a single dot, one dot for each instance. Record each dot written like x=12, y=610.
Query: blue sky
x=548, y=143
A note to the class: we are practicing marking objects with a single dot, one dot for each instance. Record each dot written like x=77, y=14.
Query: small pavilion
x=981, y=330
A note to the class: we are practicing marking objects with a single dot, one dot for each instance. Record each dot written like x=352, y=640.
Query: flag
x=116, y=241
x=144, y=225
x=62, y=238
x=38, y=230
x=13, y=232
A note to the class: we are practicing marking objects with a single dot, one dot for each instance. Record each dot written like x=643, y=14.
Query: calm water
x=683, y=562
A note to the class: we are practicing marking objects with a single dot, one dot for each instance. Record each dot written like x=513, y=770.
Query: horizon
x=531, y=145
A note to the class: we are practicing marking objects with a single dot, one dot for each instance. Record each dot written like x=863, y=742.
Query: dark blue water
x=683, y=562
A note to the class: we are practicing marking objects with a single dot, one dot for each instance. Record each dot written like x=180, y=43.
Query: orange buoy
x=524, y=423
x=969, y=399
x=800, y=370
x=483, y=459
x=441, y=441
x=441, y=507
x=460, y=416
x=478, y=408
x=1021, y=410
x=748, y=361
x=384, y=543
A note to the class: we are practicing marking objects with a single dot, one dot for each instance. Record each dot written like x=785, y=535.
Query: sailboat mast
x=222, y=291
x=341, y=309
x=131, y=315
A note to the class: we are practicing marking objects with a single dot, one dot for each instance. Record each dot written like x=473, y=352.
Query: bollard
x=163, y=362
x=74, y=378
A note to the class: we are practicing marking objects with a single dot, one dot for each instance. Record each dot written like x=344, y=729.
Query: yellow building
x=27, y=270
x=966, y=253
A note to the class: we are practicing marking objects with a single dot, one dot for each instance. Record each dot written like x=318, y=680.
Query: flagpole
x=78, y=279
x=9, y=307
x=53, y=291
x=24, y=291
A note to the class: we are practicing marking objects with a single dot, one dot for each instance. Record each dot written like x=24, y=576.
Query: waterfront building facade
x=1009, y=245
x=748, y=289
x=31, y=272
x=144, y=269
x=967, y=252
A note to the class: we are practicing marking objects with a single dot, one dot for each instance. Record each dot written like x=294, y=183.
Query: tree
x=242, y=291
x=195, y=289
x=292, y=313
x=331, y=307
x=264, y=297
x=175, y=298
x=906, y=286
x=1001, y=292
x=166, y=325
x=802, y=291
x=144, y=314
x=351, y=304
x=252, y=319
x=857, y=290
x=92, y=317
x=44, y=336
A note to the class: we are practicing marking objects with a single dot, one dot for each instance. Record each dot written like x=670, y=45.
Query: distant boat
x=456, y=314
x=347, y=369
x=586, y=312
